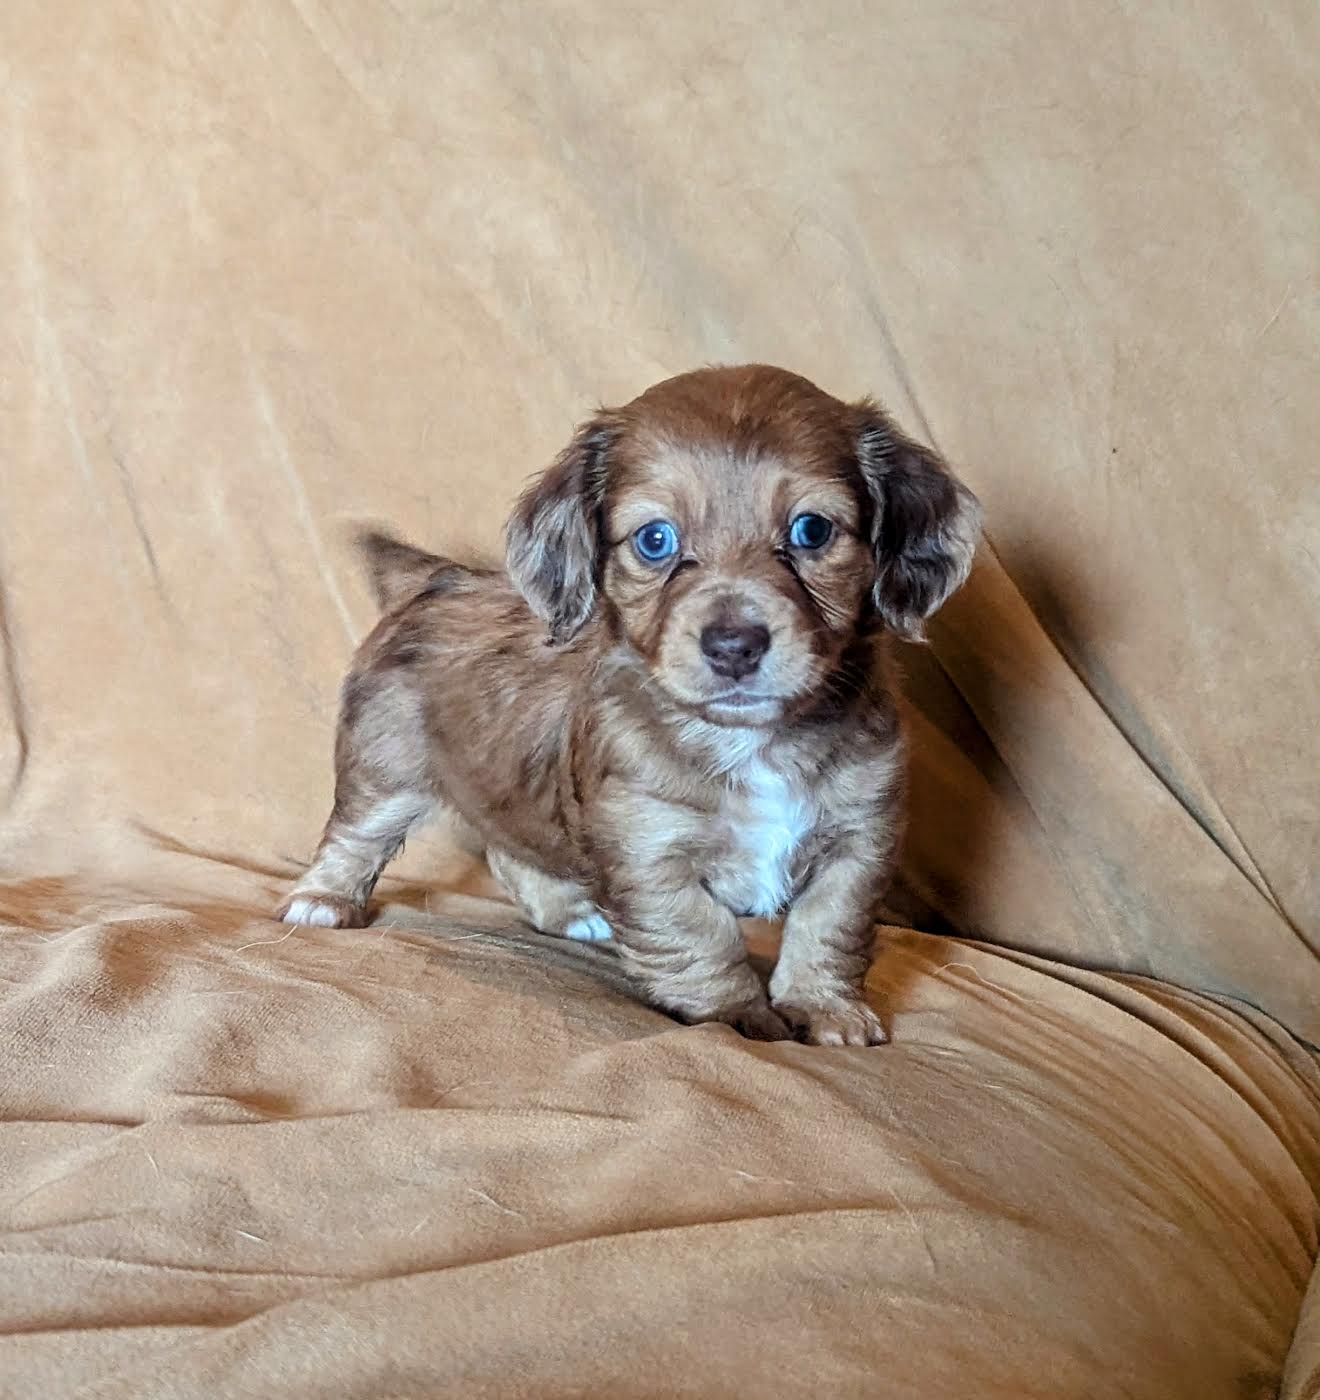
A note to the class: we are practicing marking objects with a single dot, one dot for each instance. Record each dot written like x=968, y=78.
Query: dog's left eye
x=656, y=542
x=810, y=531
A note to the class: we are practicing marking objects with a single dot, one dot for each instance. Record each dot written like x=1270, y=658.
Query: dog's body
x=711, y=732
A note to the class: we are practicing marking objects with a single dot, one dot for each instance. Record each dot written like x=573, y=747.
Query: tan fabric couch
x=272, y=268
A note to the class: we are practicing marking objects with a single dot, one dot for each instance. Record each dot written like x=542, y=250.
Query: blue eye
x=810, y=531
x=656, y=542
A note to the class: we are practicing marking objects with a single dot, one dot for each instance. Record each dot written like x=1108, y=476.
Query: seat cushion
x=444, y=1155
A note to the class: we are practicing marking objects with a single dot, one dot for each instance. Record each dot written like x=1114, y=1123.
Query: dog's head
x=740, y=528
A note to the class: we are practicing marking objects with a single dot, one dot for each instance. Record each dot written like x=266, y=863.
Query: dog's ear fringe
x=554, y=532
x=925, y=525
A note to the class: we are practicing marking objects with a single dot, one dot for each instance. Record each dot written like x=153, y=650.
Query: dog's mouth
x=767, y=696
x=744, y=706
x=744, y=699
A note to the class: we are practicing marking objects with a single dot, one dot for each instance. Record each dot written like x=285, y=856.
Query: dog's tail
x=398, y=571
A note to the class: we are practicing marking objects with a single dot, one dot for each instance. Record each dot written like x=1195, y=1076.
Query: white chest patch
x=771, y=821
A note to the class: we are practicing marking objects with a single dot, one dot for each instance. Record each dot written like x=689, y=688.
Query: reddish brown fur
x=612, y=769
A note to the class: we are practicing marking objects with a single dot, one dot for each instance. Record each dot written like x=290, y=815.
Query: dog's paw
x=321, y=911
x=592, y=929
x=838, y=1021
x=758, y=1022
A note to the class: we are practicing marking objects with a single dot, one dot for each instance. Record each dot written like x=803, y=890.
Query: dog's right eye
x=656, y=542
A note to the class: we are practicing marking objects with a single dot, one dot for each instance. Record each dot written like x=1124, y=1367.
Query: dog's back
x=455, y=694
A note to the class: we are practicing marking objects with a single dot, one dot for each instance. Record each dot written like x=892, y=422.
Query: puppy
x=674, y=709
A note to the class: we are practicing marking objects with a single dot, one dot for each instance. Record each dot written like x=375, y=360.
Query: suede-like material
x=272, y=269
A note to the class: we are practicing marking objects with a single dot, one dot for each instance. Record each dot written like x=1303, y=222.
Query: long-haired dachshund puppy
x=674, y=708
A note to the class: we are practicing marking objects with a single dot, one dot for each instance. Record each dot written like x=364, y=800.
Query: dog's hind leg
x=364, y=832
x=552, y=905
x=381, y=790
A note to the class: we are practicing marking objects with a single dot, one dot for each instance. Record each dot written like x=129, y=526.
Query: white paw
x=313, y=911
x=592, y=929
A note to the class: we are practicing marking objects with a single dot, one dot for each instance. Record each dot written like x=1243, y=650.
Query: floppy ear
x=553, y=536
x=924, y=524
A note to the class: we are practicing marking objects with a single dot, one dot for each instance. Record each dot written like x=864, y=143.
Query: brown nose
x=734, y=649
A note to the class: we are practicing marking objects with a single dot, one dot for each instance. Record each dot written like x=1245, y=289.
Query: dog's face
x=741, y=528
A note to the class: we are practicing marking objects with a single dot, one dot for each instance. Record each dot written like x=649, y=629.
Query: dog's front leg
x=682, y=948
x=687, y=954
x=827, y=947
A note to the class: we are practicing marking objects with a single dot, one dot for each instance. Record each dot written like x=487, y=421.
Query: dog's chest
x=769, y=819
